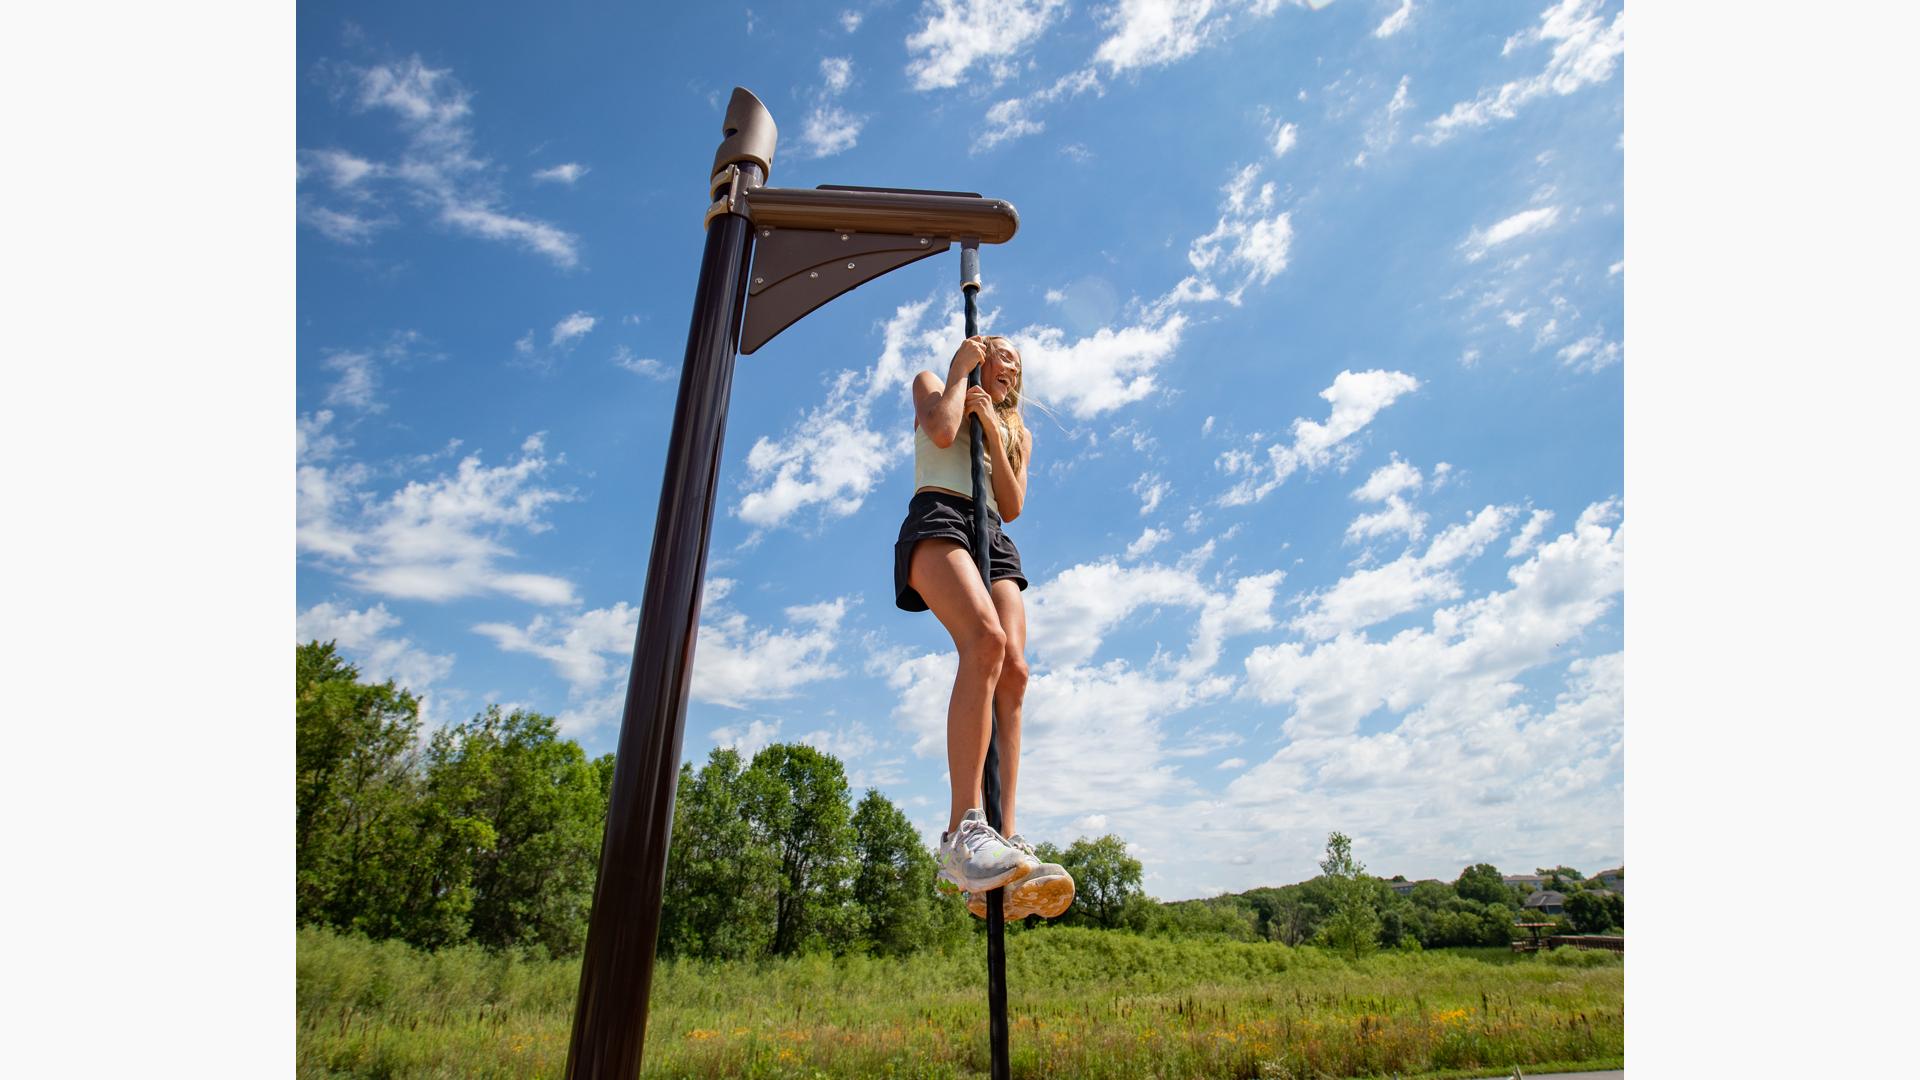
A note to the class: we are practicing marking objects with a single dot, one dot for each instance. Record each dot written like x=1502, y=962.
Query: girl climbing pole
x=934, y=568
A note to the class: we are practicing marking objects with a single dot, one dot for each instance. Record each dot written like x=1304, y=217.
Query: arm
x=940, y=407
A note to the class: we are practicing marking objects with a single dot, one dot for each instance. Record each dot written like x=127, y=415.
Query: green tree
x=1560, y=879
x=893, y=883
x=1353, y=928
x=1104, y=878
x=1482, y=882
x=804, y=813
x=723, y=874
x=364, y=858
x=527, y=806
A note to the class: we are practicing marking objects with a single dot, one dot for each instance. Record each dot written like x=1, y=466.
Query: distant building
x=1405, y=887
x=1546, y=902
x=1615, y=879
x=1530, y=882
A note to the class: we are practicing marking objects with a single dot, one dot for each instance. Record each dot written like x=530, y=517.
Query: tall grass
x=1081, y=1003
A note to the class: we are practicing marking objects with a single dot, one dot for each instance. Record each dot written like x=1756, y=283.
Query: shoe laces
x=974, y=835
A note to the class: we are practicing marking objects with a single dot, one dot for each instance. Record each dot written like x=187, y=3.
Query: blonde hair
x=1009, y=407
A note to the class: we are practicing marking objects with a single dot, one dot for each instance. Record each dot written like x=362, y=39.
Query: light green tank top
x=951, y=468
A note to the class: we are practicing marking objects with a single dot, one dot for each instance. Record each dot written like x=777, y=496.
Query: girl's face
x=1000, y=374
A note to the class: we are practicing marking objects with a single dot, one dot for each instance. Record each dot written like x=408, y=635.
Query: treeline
x=489, y=832
x=1355, y=913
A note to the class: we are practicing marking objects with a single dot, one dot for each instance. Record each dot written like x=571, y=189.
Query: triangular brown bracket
x=796, y=271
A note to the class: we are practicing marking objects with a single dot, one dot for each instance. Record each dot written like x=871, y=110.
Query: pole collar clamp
x=734, y=201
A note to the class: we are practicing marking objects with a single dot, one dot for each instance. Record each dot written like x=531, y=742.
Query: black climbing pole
x=990, y=779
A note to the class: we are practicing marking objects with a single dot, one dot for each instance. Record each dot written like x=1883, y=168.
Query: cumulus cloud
x=362, y=637
x=566, y=173
x=1529, y=535
x=1384, y=130
x=1152, y=33
x=1284, y=137
x=1356, y=398
x=1013, y=118
x=735, y=663
x=1507, y=229
x=1149, y=539
x=648, y=367
x=1248, y=236
x=561, y=340
x=1099, y=372
x=828, y=128
x=1390, y=484
x=438, y=539
x=1590, y=353
x=955, y=35
x=1406, y=584
x=1395, y=22
x=1433, y=725
x=1586, y=50
x=437, y=168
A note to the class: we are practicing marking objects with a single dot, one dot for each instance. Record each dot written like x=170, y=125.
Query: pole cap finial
x=749, y=134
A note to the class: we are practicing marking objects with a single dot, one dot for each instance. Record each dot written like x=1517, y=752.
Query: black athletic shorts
x=937, y=514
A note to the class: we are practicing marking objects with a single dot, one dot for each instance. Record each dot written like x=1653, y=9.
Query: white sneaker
x=976, y=858
x=1047, y=892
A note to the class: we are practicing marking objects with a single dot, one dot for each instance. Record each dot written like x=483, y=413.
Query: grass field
x=1081, y=1003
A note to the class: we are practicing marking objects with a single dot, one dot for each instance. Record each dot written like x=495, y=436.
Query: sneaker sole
x=1046, y=897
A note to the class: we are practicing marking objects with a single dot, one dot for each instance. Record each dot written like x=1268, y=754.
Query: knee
x=1013, y=675
x=983, y=652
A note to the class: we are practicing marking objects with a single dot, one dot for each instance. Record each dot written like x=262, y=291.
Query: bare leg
x=1009, y=692
x=944, y=574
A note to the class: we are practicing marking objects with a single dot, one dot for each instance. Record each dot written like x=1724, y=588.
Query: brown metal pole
x=616, y=974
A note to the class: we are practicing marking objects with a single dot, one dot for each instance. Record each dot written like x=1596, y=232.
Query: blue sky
x=1325, y=529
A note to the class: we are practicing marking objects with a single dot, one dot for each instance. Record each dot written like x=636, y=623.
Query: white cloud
x=571, y=328
x=1150, y=33
x=357, y=380
x=1149, y=539
x=1151, y=490
x=341, y=226
x=1284, y=137
x=1389, y=484
x=1406, y=584
x=836, y=72
x=1395, y=22
x=1529, y=535
x=1100, y=372
x=1590, y=353
x=1247, y=235
x=735, y=662
x=747, y=739
x=833, y=457
x=439, y=539
x=566, y=173
x=1470, y=650
x=362, y=638
x=1585, y=52
x=1450, y=734
x=850, y=20
x=957, y=34
x=437, y=167
x=1384, y=130
x=640, y=365
x=1507, y=229
x=1071, y=614
x=1356, y=398
x=829, y=130
x=1012, y=118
